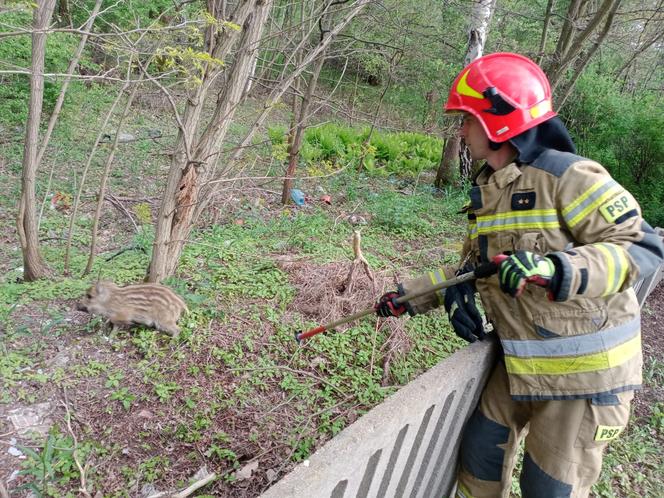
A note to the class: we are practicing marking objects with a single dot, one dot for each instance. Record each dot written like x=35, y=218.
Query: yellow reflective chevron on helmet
x=465, y=89
x=574, y=364
x=540, y=109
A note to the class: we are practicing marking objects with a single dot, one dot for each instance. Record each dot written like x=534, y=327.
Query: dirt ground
x=238, y=421
x=652, y=326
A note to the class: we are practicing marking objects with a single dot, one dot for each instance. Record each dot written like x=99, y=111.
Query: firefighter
x=571, y=337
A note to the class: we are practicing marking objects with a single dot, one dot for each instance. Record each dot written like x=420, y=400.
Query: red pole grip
x=300, y=336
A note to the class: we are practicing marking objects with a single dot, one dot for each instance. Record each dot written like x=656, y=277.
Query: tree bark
x=479, y=27
x=570, y=46
x=186, y=174
x=445, y=173
x=581, y=64
x=567, y=31
x=545, y=30
x=300, y=127
x=64, y=14
x=34, y=266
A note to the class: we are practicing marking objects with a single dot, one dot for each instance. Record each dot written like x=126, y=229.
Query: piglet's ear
x=102, y=290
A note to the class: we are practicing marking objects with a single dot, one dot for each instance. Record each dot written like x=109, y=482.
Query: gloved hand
x=387, y=306
x=461, y=308
x=525, y=266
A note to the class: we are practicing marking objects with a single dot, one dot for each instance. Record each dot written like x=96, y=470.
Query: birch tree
x=480, y=19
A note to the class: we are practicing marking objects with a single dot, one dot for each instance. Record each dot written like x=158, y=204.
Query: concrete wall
x=407, y=445
x=644, y=287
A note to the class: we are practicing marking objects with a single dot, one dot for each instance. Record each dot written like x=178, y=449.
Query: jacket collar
x=502, y=178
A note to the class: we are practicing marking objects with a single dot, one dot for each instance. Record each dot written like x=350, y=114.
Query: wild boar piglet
x=153, y=305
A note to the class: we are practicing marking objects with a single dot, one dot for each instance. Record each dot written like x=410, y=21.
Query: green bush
x=124, y=15
x=17, y=51
x=402, y=153
x=623, y=133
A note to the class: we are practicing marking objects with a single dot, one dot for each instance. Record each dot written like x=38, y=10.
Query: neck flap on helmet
x=551, y=134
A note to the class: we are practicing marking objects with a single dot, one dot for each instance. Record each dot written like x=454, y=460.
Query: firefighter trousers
x=563, y=442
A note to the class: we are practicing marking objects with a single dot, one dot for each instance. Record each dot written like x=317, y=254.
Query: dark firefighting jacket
x=587, y=342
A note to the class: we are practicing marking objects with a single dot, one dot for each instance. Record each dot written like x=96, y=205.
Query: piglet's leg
x=118, y=320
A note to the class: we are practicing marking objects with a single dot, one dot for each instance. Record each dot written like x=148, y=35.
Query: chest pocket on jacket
x=533, y=241
x=569, y=319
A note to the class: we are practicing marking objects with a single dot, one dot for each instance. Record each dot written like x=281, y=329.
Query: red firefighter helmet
x=507, y=92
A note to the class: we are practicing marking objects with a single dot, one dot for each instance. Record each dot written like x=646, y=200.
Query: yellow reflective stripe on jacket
x=616, y=267
x=472, y=230
x=509, y=220
x=462, y=491
x=436, y=277
x=590, y=200
x=575, y=364
x=565, y=346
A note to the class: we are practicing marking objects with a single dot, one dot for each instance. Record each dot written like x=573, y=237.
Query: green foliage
x=143, y=213
x=67, y=288
x=406, y=154
x=51, y=465
x=416, y=215
x=623, y=133
x=153, y=468
x=11, y=365
x=125, y=397
x=191, y=64
x=15, y=89
x=165, y=390
x=124, y=15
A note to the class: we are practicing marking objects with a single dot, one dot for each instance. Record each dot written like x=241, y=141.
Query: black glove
x=464, y=315
x=387, y=305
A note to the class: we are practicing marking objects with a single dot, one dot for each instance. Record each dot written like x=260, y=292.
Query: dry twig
x=81, y=470
x=357, y=262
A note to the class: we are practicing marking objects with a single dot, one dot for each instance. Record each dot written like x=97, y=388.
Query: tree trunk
x=278, y=92
x=185, y=177
x=34, y=266
x=567, y=32
x=465, y=161
x=479, y=27
x=63, y=13
x=545, y=30
x=569, y=46
x=449, y=158
x=300, y=127
x=581, y=64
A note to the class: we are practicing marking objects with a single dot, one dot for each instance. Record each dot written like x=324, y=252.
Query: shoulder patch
x=619, y=208
x=555, y=162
